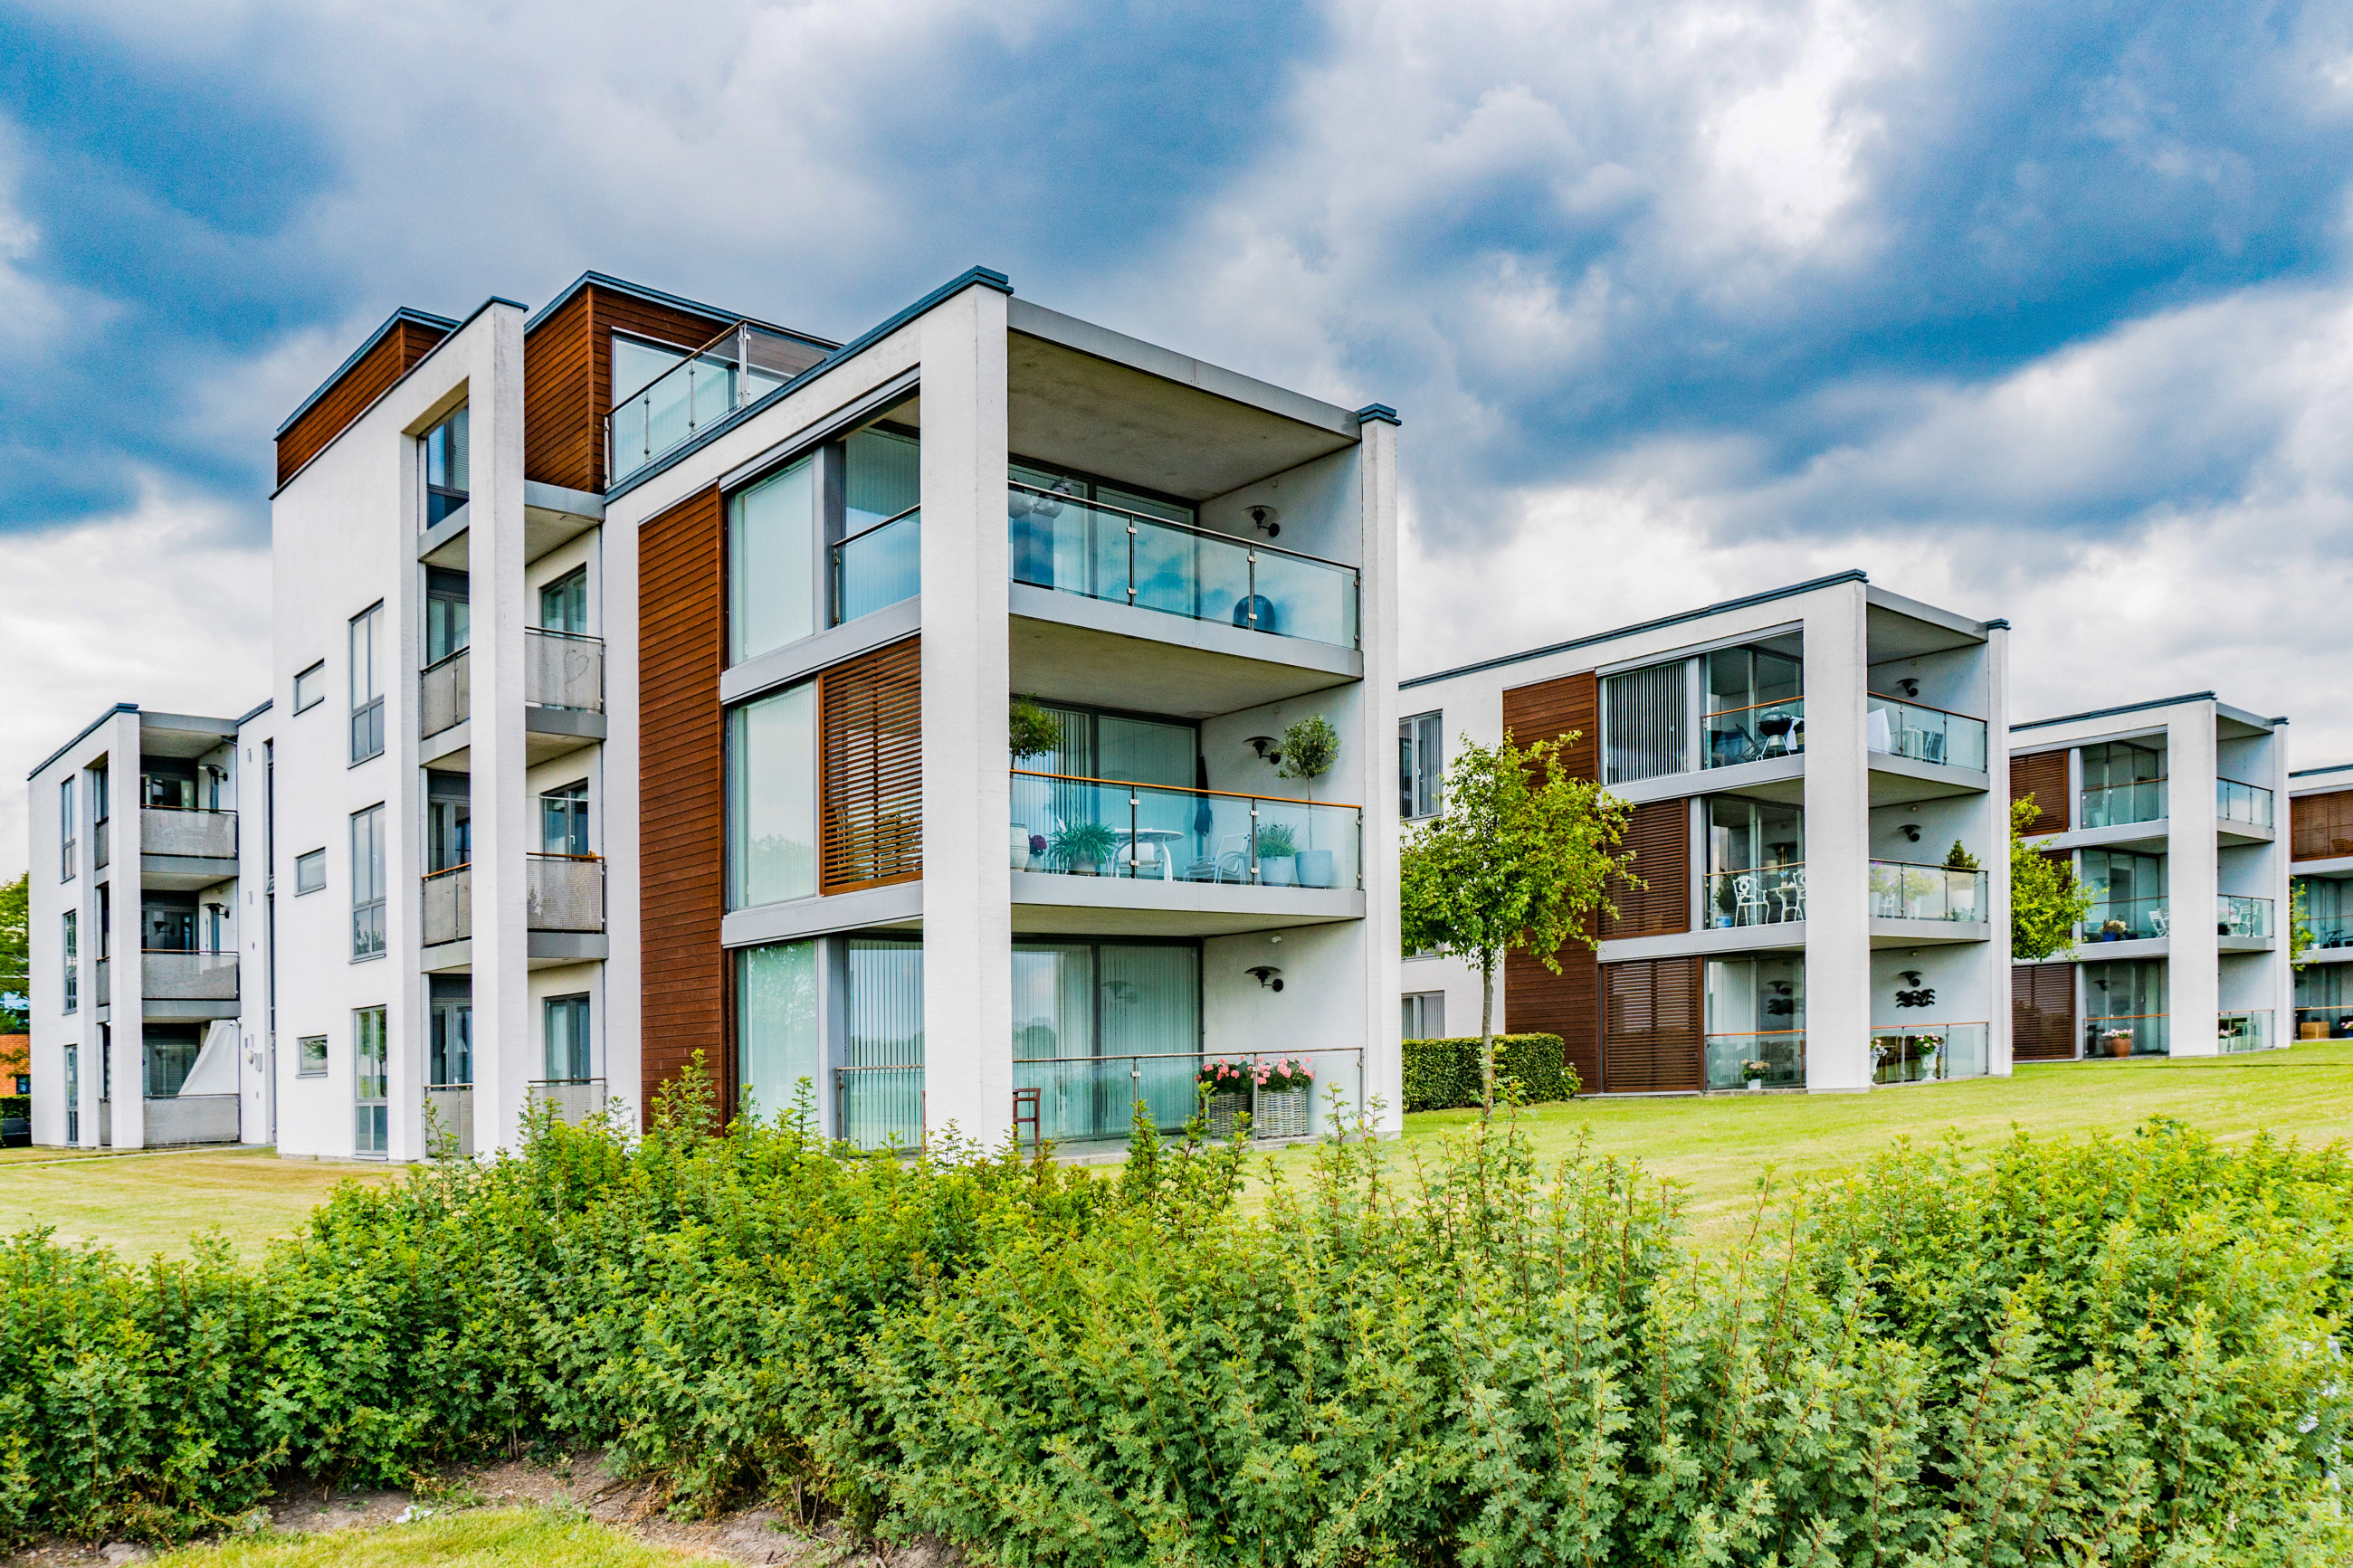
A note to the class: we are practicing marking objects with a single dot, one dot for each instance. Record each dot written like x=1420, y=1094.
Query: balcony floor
x=1067, y=647
x=1087, y=906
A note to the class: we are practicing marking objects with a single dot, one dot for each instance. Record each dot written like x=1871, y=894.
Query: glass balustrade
x=742, y=367
x=2116, y=806
x=2136, y=1035
x=2244, y=1031
x=1923, y=734
x=2330, y=930
x=563, y=669
x=2244, y=803
x=1100, y=827
x=2235, y=915
x=2125, y=920
x=1755, y=734
x=1101, y=552
x=1777, y=1058
x=1764, y=895
x=879, y=567
x=1900, y=891
x=1929, y=1053
x=2324, y=1022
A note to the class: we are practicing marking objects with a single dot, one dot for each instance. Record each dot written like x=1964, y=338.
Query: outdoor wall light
x=1909, y=686
x=1260, y=744
x=1267, y=974
x=1262, y=518
x=1911, y=976
x=1912, y=832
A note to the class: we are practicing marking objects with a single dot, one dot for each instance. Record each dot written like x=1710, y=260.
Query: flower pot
x=2119, y=1045
x=1314, y=868
x=1281, y=1113
x=1082, y=867
x=1280, y=871
x=1225, y=1109
x=1020, y=846
x=1035, y=862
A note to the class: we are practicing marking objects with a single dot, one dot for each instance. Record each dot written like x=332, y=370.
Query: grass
x=486, y=1538
x=1719, y=1144
x=140, y=1203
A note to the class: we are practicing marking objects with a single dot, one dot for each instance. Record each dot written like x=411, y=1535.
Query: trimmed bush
x=1443, y=1075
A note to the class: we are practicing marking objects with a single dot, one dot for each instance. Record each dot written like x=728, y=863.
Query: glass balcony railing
x=1754, y=733
x=1901, y=729
x=2115, y=806
x=448, y=905
x=563, y=669
x=2244, y=1031
x=1102, y=827
x=1776, y=1059
x=2235, y=915
x=742, y=365
x=444, y=695
x=877, y=568
x=1928, y=1053
x=1099, y=552
x=2136, y=1035
x=2125, y=920
x=2246, y=802
x=2324, y=1022
x=1762, y=895
x=575, y=1100
x=2330, y=930
x=1900, y=891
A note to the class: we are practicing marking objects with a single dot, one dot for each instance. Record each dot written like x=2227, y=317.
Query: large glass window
x=1099, y=1026
x=2125, y=1009
x=72, y=955
x=1421, y=765
x=371, y=1083
x=1755, y=706
x=68, y=848
x=772, y=798
x=450, y=1047
x=445, y=462
x=564, y=603
x=1050, y=806
x=777, y=1039
x=1424, y=1016
x=2127, y=895
x=368, y=654
x=311, y=687
x=168, y=923
x=445, y=612
x=449, y=820
x=168, y=1054
x=881, y=1091
x=2321, y=1013
x=1756, y=1012
x=1755, y=861
x=771, y=563
x=167, y=784
x=1643, y=714
x=367, y=883
x=2124, y=782
x=882, y=476
x=879, y=561
x=310, y=1056
x=569, y=1053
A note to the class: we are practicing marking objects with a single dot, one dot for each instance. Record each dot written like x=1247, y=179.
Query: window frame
x=71, y=934
x=427, y=490
x=317, y=674
x=562, y=583
x=579, y=1007
x=303, y=1057
x=317, y=857
x=575, y=796
x=1412, y=772
x=69, y=842
x=1422, y=1013
x=369, y=820
x=367, y=714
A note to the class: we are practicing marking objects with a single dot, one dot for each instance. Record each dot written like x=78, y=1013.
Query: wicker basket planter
x=1282, y=1114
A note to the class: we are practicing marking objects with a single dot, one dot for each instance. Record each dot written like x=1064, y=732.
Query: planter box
x=1282, y=1113
x=1225, y=1109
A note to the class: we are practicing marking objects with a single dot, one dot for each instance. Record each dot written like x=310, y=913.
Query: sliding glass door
x=1098, y=1026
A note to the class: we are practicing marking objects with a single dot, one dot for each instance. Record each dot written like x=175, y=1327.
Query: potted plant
x=1754, y=1072
x=1285, y=1092
x=1310, y=747
x=2119, y=1042
x=1225, y=1091
x=1083, y=848
x=1030, y=731
x=1278, y=866
x=1037, y=852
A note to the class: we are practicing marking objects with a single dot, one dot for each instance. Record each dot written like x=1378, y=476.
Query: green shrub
x=1443, y=1075
x=15, y=1105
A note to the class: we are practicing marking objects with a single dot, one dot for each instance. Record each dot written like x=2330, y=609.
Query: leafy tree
x=16, y=954
x=2046, y=903
x=2299, y=930
x=1029, y=730
x=1521, y=859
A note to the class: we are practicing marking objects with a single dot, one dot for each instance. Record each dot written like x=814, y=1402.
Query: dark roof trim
x=2002, y=624
x=421, y=317
x=2331, y=768
x=656, y=297
x=78, y=740
x=245, y=719
x=1741, y=604
x=978, y=276
x=1380, y=411
x=2110, y=713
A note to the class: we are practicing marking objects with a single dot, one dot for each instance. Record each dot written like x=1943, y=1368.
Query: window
x=1421, y=765
x=310, y=1056
x=875, y=565
x=568, y=1055
x=2123, y=782
x=167, y=922
x=168, y=1053
x=1755, y=706
x=1643, y=714
x=882, y=1093
x=444, y=449
x=1099, y=1026
x=367, y=883
x=449, y=1052
x=167, y=784
x=1425, y=1016
x=776, y=1040
x=310, y=872
x=2127, y=895
x=449, y=820
x=371, y=1086
x=1755, y=1013
x=564, y=820
x=72, y=957
x=367, y=683
x=772, y=798
x=771, y=563
x=68, y=848
x=564, y=603
x=311, y=687
x=1756, y=862
x=637, y=364
x=448, y=612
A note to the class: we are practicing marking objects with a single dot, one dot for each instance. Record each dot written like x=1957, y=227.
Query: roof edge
x=660, y=297
x=87, y=729
x=2110, y=712
x=422, y=318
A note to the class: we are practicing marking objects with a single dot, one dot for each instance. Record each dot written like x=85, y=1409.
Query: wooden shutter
x=2320, y=826
x=870, y=777
x=1535, y=1001
x=1551, y=709
x=1660, y=835
x=2042, y=1011
x=1651, y=1026
x=2044, y=775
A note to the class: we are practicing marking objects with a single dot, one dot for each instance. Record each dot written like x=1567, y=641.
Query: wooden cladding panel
x=395, y=356
x=869, y=718
x=568, y=364
x=683, y=781
x=2043, y=1012
x=1660, y=837
x=1551, y=709
x=1535, y=1001
x=2320, y=826
x=1651, y=1025
x=2044, y=775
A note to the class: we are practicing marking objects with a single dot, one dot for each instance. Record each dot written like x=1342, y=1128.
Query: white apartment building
x=1818, y=821
x=2164, y=810
x=638, y=674
x=2320, y=865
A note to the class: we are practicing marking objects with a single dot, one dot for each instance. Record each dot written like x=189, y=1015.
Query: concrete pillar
x=2191, y=990
x=126, y=979
x=1999, y=1044
x=1838, y=843
x=1376, y=768
x=966, y=674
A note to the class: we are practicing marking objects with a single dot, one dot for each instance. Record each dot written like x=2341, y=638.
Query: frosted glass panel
x=772, y=563
x=776, y=1025
x=772, y=797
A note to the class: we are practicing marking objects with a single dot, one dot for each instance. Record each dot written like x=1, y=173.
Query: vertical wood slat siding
x=1551, y=709
x=683, y=791
x=2320, y=826
x=870, y=769
x=568, y=378
x=393, y=356
x=2044, y=775
x=1660, y=837
x=1536, y=1000
x=2043, y=1012
x=1651, y=1026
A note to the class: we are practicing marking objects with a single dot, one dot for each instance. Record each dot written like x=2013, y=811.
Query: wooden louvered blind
x=1660, y=837
x=871, y=779
x=1551, y=709
x=1651, y=1026
x=1535, y=1001
x=2320, y=826
x=2042, y=1011
x=2044, y=775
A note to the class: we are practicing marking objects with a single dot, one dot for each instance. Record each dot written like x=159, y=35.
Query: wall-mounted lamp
x=1260, y=744
x=1912, y=832
x=1262, y=518
x=1911, y=977
x=1267, y=974
x=1909, y=686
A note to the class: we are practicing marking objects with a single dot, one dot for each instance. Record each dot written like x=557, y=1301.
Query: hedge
x=1442, y=1075
x=2121, y=1351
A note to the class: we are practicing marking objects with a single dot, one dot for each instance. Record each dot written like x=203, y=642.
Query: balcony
x=563, y=669
x=2324, y=1022
x=191, y=835
x=2118, y=806
x=1755, y=733
x=2244, y=1031
x=877, y=568
x=1896, y=728
x=2131, y=1034
x=449, y=1114
x=2250, y=805
x=1760, y=896
x=564, y=892
x=573, y=1100
x=2125, y=920
x=102, y=984
x=174, y=976
x=1900, y=891
x=177, y=1118
x=448, y=914
x=733, y=371
x=1107, y=553
x=444, y=695
x=2330, y=930
x=1105, y=827
x=1928, y=1053
x=99, y=848
x=1778, y=1057
x=2235, y=915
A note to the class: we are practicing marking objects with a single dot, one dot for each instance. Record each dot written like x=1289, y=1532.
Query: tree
x=2299, y=930
x=2046, y=903
x=16, y=954
x=1520, y=861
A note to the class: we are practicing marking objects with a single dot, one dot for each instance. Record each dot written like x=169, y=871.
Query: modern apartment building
x=1817, y=823
x=2165, y=809
x=2320, y=866
x=744, y=610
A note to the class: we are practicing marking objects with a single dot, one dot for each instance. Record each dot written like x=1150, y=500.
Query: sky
x=2028, y=311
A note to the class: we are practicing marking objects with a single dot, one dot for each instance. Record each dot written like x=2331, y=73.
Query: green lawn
x=139, y=1204
x=485, y=1538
